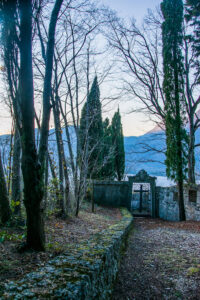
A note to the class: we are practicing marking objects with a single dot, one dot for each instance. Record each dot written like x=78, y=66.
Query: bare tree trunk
x=33, y=191
x=181, y=201
x=55, y=180
x=178, y=129
x=191, y=155
x=191, y=106
x=60, y=204
x=10, y=161
x=46, y=180
x=92, y=196
x=33, y=163
x=5, y=212
x=47, y=83
x=62, y=152
x=16, y=195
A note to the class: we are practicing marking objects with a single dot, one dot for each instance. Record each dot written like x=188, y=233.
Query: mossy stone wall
x=85, y=272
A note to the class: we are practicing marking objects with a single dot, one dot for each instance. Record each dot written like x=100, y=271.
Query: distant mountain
x=157, y=128
x=147, y=152
x=141, y=152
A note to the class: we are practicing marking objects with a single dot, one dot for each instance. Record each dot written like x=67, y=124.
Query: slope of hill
x=142, y=152
x=147, y=152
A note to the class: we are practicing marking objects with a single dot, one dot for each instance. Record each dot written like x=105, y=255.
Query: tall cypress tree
x=91, y=131
x=193, y=17
x=118, y=143
x=172, y=36
x=107, y=170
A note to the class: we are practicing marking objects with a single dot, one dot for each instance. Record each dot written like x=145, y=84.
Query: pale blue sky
x=134, y=123
x=131, y=8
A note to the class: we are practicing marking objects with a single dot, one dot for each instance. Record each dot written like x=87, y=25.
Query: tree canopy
x=118, y=144
x=173, y=87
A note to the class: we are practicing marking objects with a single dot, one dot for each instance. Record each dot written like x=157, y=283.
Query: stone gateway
x=142, y=197
x=115, y=193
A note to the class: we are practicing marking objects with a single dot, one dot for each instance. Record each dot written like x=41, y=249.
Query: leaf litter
x=162, y=261
x=59, y=235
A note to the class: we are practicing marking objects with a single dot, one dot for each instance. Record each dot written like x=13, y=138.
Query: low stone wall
x=192, y=209
x=168, y=203
x=112, y=193
x=85, y=272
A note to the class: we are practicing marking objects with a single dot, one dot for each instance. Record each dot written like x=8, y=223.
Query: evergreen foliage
x=91, y=131
x=173, y=86
x=193, y=16
x=107, y=171
x=118, y=144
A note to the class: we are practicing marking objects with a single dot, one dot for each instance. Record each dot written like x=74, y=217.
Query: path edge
x=86, y=272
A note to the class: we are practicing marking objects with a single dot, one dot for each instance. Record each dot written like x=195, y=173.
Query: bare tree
x=140, y=55
x=33, y=163
x=192, y=100
x=16, y=166
x=5, y=212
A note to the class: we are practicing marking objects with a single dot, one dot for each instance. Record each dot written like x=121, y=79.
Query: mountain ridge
x=141, y=152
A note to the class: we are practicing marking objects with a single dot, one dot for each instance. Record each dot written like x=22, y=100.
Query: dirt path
x=162, y=261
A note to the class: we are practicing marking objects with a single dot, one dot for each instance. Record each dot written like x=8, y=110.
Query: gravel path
x=162, y=261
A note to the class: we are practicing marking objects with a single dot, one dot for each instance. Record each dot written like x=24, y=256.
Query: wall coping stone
x=85, y=272
x=110, y=182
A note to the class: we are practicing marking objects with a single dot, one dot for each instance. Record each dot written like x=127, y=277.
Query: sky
x=131, y=8
x=134, y=124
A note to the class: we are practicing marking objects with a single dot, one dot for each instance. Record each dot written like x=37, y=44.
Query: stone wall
x=167, y=198
x=112, y=193
x=167, y=203
x=84, y=272
x=192, y=208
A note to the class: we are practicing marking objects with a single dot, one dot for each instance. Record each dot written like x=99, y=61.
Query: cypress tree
x=173, y=86
x=91, y=131
x=118, y=144
x=107, y=170
x=193, y=17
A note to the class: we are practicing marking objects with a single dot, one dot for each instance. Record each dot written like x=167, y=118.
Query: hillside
x=142, y=152
x=147, y=152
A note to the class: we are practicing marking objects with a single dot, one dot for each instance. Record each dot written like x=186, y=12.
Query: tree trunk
x=62, y=153
x=55, y=180
x=10, y=162
x=46, y=180
x=61, y=204
x=179, y=146
x=182, y=216
x=35, y=225
x=92, y=196
x=32, y=175
x=33, y=195
x=16, y=195
x=47, y=83
x=77, y=196
x=5, y=211
x=191, y=154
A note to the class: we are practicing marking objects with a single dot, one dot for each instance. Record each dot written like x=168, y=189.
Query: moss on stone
x=83, y=272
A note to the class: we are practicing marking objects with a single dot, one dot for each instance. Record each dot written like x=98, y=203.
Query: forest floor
x=59, y=233
x=162, y=261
